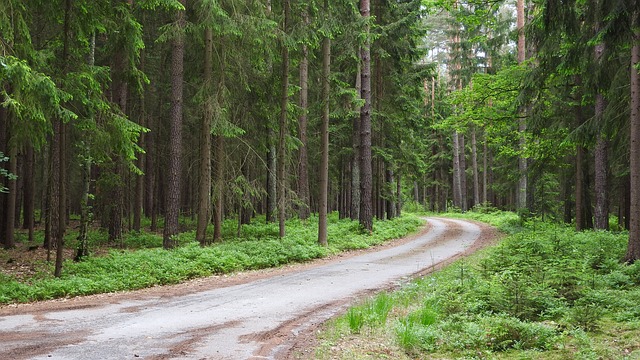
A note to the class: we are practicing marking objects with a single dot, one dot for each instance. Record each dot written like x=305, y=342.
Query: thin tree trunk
x=398, y=194
x=324, y=134
x=29, y=192
x=172, y=197
x=485, y=175
x=219, y=188
x=282, y=148
x=390, y=194
x=457, y=176
x=633, y=248
x=522, y=124
x=303, y=162
x=83, y=248
x=355, y=160
x=204, y=191
x=601, y=217
x=12, y=188
x=366, y=174
x=463, y=173
x=474, y=164
x=272, y=198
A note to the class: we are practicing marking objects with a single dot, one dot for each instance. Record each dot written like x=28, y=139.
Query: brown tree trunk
x=522, y=124
x=204, y=190
x=601, y=216
x=355, y=159
x=474, y=164
x=463, y=173
x=172, y=196
x=10, y=206
x=29, y=192
x=303, y=162
x=457, y=176
x=324, y=134
x=282, y=148
x=219, y=194
x=633, y=248
x=366, y=174
x=272, y=197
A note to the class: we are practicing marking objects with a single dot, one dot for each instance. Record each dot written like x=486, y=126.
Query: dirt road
x=248, y=316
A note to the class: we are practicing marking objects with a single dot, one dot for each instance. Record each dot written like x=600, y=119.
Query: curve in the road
x=258, y=319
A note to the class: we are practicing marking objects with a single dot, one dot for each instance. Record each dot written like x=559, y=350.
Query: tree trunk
x=29, y=192
x=485, y=175
x=601, y=216
x=389, y=190
x=324, y=134
x=282, y=137
x=303, y=162
x=463, y=173
x=522, y=124
x=172, y=197
x=272, y=199
x=457, y=176
x=204, y=191
x=633, y=248
x=219, y=190
x=474, y=164
x=355, y=159
x=366, y=174
x=10, y=206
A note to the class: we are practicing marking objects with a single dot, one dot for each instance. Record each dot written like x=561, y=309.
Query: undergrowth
x=141, y=262
x=544, y=292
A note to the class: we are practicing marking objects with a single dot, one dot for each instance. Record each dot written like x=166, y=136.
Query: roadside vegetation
x=544, y=292
x=141, y=261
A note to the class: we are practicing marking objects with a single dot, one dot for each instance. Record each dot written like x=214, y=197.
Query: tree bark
x=10, y=209
x=633, y=248
x=204, y=191
x=355, y=159
x=272, y=198
x=219, y=194
x=601, y=215
x=463, y=173
x=522, y=124
x=457, y=176
x=172, y=197
x=282, y=137
x=474, y=164
x=324, y=134
x=303, y=161
x=366, y=174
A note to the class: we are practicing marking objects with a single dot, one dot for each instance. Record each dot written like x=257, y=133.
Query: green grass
x=143, y=263
x=545, y=292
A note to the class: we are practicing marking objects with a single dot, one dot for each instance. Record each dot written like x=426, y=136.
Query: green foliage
x=4, y=173
x=150, y=265
x=543, y=287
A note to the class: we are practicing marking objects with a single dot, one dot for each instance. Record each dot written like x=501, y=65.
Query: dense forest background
x=118, y=112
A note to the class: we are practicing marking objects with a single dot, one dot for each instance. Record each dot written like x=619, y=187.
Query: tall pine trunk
x=324, y=134
x=522, y=123
x=601, y=153
x=303, y=162
x=172, y=195
x=282, y=136
x=355, y=158
x=633, y=248
x=219, y=186
x=204, y=191
x=366, y=171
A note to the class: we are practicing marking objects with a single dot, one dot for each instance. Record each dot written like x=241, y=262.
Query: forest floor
x=270, y=313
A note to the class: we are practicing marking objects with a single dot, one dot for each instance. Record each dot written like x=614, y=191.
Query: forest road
x=266, y=315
